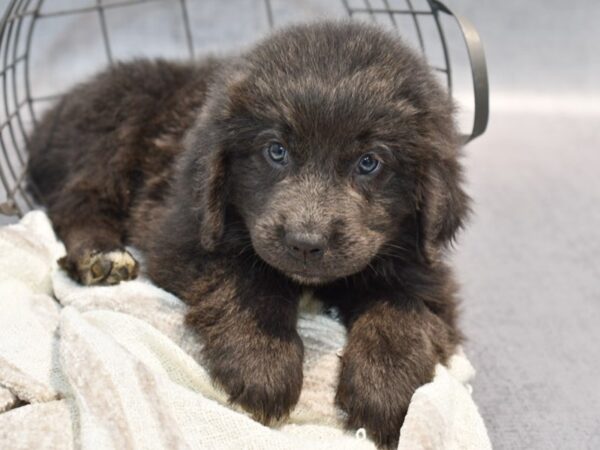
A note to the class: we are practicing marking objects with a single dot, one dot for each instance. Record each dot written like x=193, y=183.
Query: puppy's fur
x=175, y=159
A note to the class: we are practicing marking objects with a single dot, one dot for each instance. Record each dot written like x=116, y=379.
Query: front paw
x=375, y=393
x=266, y=384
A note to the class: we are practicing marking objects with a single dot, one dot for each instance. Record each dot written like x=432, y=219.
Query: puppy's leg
x=91, y=227
x=251, y=346
x=392, y=349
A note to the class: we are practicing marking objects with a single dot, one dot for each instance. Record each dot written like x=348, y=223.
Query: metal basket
x=21, y=102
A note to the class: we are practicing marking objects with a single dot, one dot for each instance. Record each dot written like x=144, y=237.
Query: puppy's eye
x=276, y=153
x=368, y=164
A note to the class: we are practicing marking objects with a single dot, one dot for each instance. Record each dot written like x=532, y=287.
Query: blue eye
x=277, y=153
x=367, y=164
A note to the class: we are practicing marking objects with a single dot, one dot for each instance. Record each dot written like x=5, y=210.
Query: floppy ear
x=211, y=196
x=211, y=166
x=441, y=208
x=204, y=180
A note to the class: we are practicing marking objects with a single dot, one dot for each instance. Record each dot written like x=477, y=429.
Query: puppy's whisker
x=370, y=266
x=234, y=239
x=383, y=256
x=390, y=245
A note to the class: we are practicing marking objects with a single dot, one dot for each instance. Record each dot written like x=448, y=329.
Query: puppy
x=325, y=158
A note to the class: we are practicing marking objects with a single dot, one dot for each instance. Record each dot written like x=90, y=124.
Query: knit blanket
x=115, y=368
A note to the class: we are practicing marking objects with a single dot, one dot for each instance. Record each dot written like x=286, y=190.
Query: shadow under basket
x=27, y=26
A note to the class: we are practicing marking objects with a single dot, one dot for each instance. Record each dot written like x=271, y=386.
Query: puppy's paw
x=373, y=401
x=266, y=385
x=268, y=401
x=101, y=268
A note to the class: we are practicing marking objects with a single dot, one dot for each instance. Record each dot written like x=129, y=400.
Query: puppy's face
x=319, y=208
x=326, y=131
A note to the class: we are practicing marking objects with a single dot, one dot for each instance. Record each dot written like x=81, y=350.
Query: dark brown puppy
x=324, y=158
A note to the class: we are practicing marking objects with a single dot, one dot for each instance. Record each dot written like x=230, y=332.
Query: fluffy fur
x=174, y=159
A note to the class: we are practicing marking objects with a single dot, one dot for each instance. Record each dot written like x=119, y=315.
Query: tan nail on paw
x=107, y=268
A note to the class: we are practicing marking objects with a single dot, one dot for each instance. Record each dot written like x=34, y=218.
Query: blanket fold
x=114, y=368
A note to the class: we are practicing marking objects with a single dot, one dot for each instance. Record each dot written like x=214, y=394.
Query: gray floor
x=530, y=260
x=530, y=269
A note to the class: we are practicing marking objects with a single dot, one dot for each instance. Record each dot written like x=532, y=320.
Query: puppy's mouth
x=308, y=277
x=302, y=273
x=308, y=274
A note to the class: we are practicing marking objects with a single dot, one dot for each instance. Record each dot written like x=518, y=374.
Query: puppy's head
x=336, y=147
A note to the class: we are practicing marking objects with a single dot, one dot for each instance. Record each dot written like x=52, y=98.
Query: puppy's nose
x=307, y=247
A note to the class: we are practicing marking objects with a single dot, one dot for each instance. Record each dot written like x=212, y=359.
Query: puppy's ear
x=212, y=163
x=441, y=208
x=211, y=197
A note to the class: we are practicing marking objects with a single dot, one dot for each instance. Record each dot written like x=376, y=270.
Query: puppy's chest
x=312, y=305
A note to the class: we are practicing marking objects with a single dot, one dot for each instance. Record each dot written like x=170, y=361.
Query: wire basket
x=28, y=87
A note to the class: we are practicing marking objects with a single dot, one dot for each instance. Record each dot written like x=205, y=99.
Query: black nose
x=305, y=246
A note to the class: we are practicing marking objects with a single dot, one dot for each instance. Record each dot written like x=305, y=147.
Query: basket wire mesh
x=21, y=104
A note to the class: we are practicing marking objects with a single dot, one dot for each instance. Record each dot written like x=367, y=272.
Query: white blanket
x=114, y=368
